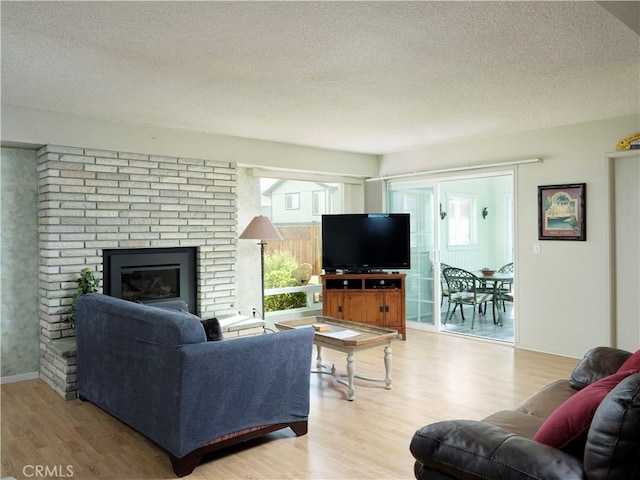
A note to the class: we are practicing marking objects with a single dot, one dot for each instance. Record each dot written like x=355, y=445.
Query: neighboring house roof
x=269, y=191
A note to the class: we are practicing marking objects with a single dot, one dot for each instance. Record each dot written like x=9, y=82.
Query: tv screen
x=361, y=242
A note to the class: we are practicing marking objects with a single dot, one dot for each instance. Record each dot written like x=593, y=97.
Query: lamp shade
x=260, y=228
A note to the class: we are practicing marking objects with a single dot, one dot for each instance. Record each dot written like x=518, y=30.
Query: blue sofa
x=153, y=369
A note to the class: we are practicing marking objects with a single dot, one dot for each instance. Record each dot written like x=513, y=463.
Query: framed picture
x=562, y=212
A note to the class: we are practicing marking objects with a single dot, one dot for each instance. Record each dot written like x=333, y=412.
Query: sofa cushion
x=544, y=402
x=632, y=363
x=526, y=419
x=516, y=422
x=613, y=443
x=599, y=362
x=573, y=417
x=213, y=329
x=467, y=449
x=211, y=326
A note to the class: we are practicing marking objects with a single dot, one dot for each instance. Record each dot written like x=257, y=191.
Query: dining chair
x=505, y=291
x=444, y=289
x=464, y=289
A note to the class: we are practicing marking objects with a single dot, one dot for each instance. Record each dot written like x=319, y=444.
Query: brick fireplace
x=96, y=200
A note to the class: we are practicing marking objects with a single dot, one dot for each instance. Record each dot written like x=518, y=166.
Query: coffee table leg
x=319, y=357
x=351, y=371
x=387, y=366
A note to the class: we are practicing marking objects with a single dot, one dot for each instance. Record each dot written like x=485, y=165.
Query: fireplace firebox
x=151, y=275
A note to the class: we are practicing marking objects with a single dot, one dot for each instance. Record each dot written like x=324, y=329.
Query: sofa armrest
x=467, y=449
x=599, y=362
x=242, y=383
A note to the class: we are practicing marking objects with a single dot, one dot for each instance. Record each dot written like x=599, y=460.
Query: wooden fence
x=304, y=242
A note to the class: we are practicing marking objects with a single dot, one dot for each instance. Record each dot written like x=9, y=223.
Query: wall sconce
x=485, y=212
x=442, y=213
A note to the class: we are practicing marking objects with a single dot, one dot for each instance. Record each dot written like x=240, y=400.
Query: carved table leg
x=319, y=357
x=387, y=366
x=351, y=371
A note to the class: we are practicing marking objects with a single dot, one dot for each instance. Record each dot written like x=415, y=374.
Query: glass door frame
x=433, y=254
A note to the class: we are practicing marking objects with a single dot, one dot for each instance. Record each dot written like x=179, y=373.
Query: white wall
x=248, y=251
x=564, y=303
x=38, y=127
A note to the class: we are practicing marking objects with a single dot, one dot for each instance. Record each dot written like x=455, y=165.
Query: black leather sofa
x=502, y=447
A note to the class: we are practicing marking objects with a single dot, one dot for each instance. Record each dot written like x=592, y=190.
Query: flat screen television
x=365, y=242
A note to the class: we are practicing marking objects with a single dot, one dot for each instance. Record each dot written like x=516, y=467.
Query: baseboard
x=19, y=378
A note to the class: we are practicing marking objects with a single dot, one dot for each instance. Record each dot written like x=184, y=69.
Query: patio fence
x=304, y=242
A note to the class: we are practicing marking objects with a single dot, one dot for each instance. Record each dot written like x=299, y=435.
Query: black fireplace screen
x=140, y=284
x=151, y=275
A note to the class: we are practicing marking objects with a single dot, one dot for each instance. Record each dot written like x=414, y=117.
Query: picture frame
x=562, y=212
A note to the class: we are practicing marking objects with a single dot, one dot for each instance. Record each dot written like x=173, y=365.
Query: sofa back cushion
x=612, y=451
x=118, y=319
x=632, y=363
x=571, y=419
x=599, y=362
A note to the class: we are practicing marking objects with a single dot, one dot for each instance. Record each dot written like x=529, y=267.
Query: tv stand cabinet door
x=363, y=307
x=333, y=304
x=394, y=311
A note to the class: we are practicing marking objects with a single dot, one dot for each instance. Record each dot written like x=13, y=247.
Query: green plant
x=285, y=301
x=277, y=274
x=87, y=283
x=277, y=270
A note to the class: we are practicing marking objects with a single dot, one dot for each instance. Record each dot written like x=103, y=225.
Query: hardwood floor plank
x=435, y=377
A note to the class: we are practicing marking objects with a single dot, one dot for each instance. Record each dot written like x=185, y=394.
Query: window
x=292, y=201
x=294, y=264
x=460, y=221
x=319, y=202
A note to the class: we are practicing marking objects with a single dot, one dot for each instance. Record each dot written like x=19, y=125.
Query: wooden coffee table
x=347, y=337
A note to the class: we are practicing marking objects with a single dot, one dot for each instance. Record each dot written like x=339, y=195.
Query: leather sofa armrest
x=467, y=449
x=599, y=362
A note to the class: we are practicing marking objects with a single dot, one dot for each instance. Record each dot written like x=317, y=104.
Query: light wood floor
x=435, y=377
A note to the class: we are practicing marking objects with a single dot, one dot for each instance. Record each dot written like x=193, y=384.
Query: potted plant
x=87, y=283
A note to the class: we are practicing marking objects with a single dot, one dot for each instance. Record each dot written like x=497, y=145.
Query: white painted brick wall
x=95, y=199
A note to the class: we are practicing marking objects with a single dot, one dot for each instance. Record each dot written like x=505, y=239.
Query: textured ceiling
x=373, y=77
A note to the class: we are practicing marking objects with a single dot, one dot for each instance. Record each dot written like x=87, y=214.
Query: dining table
x=496, y=279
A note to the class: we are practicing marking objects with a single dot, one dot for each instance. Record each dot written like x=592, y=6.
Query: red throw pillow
x=574, y=416
x=631, y=363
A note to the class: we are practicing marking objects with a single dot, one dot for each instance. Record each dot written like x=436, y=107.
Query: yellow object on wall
x=628, y=143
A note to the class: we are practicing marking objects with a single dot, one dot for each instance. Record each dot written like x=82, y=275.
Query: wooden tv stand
x=373, y=298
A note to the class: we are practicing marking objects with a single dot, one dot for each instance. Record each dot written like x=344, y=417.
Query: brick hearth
x=90, y=200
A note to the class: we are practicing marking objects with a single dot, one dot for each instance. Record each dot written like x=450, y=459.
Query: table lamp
x=261, y=228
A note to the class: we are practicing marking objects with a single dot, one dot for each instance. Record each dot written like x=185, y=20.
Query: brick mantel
x=90, y=200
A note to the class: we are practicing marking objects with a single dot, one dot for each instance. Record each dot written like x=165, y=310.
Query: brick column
x=90, y=200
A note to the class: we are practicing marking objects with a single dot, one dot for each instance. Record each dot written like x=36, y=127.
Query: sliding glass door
x=418, y=201
x=466, y=222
